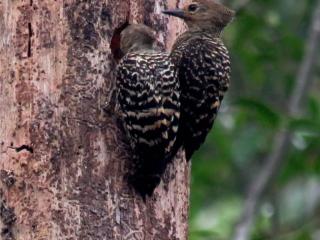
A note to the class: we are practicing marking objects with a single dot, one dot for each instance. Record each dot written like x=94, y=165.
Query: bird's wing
x=145, y=83
x=203, y=66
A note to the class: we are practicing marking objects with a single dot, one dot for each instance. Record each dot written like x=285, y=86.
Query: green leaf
x=262, y=111
x=308, y=126
x=314, y=108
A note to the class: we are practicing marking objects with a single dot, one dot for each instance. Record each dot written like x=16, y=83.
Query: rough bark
x=63, y=160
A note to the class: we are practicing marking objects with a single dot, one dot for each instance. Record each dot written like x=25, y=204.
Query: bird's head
x=205, y=15
x=137, y=37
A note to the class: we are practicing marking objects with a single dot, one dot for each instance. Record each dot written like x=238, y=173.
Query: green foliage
x=263, y=113
x=266, y=43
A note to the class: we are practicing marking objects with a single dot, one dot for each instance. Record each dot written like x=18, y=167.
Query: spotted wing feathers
x=149, y=106
x=203, y=70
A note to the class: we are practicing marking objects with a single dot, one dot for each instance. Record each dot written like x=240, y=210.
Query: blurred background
x=258, y=174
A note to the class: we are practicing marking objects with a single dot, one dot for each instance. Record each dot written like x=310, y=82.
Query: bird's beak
x=175, y=12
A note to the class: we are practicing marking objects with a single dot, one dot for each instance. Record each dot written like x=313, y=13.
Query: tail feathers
x=145, y=184
x=189, y=154
x=147, y=173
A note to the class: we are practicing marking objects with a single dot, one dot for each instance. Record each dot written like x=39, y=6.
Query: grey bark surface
x=62, y=160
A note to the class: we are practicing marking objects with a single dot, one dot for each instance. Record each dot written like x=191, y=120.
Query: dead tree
x=63, y=160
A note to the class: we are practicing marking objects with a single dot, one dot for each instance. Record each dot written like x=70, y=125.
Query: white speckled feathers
x=150, y=109
x=204, y=73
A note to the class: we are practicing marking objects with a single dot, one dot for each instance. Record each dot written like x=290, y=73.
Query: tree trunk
x=63, y=160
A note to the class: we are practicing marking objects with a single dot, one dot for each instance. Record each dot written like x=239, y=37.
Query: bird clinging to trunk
x=203, y=66
x=148, y=100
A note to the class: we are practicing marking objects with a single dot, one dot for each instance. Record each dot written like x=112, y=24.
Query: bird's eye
x=193, y=7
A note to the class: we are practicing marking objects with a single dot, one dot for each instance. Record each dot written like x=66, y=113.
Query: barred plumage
x=203, y=66
x=149, y=105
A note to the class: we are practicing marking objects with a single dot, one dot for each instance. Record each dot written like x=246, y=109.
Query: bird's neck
x=210, y=31
x=195, y=33
x=199, y=33
x=140, y=48
x=205, y=27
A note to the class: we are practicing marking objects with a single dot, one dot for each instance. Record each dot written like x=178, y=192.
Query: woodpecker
x=203, y=66
x=149, y=105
